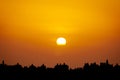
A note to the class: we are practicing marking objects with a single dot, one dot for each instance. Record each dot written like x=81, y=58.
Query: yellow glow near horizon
x=61, y=41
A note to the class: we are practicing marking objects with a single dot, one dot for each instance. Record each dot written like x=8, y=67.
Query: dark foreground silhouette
x=104, y=71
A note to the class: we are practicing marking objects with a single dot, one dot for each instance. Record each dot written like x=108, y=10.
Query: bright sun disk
x=61, y=41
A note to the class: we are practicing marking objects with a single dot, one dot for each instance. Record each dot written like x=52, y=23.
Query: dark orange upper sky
x=29, y=29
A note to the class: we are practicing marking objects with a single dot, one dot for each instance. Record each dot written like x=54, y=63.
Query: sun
x=61, y=41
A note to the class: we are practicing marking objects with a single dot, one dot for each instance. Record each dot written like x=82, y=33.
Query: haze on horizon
x=29, y=29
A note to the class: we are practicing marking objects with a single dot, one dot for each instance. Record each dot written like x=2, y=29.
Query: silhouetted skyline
x=93, y=71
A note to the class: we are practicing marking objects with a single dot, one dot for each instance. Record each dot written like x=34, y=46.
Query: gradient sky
x=29, y=29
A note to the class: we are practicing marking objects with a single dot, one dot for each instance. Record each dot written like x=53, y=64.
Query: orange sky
x=29, y=29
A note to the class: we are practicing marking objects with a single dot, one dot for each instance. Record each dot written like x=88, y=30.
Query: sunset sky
x=29, y=30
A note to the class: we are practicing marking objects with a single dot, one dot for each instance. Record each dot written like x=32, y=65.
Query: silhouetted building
x=93, y=71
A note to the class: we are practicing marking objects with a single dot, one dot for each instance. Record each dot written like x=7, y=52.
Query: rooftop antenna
x=3, y=62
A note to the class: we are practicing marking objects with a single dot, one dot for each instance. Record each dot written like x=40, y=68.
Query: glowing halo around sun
x=61, y=41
